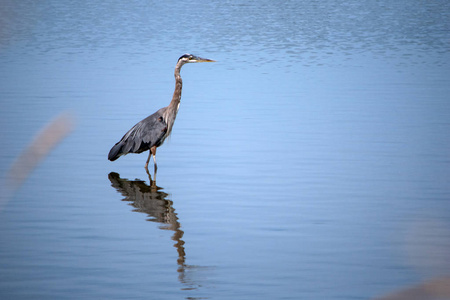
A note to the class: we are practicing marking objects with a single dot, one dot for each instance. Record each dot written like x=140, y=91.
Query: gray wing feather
x=149, y=132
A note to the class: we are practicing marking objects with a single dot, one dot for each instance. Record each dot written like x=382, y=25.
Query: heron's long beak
x=201, y=59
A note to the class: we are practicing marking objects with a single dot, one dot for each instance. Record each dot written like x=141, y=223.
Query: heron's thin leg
x=154, y=160
x=153, y=152
x=148, y=159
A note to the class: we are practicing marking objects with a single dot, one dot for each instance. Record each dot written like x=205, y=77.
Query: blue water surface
x=311, y=161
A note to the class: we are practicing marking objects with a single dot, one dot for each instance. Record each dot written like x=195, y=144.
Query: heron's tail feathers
x=116, y=151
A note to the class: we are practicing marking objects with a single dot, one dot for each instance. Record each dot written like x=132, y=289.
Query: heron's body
x=151, y=132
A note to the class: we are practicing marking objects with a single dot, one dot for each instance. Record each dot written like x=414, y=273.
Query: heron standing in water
x=151, y=132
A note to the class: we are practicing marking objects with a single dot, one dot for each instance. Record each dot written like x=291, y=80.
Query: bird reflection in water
x=150, y=199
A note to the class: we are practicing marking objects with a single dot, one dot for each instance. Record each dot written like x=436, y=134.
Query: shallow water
x=311, y=161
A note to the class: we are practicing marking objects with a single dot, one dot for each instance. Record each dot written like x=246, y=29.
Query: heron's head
x=189, y=58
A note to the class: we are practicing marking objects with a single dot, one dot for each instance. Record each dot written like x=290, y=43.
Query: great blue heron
x=151, y=132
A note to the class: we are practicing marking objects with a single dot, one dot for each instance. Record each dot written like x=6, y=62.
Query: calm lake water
x=311, y=161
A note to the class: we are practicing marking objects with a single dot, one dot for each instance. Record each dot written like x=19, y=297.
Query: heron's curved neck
x=178, y=87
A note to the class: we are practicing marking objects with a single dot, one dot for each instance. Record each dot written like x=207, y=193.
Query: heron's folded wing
x=145, y=134
x=149, y=132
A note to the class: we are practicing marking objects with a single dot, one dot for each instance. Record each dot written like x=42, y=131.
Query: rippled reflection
x=150, y=199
